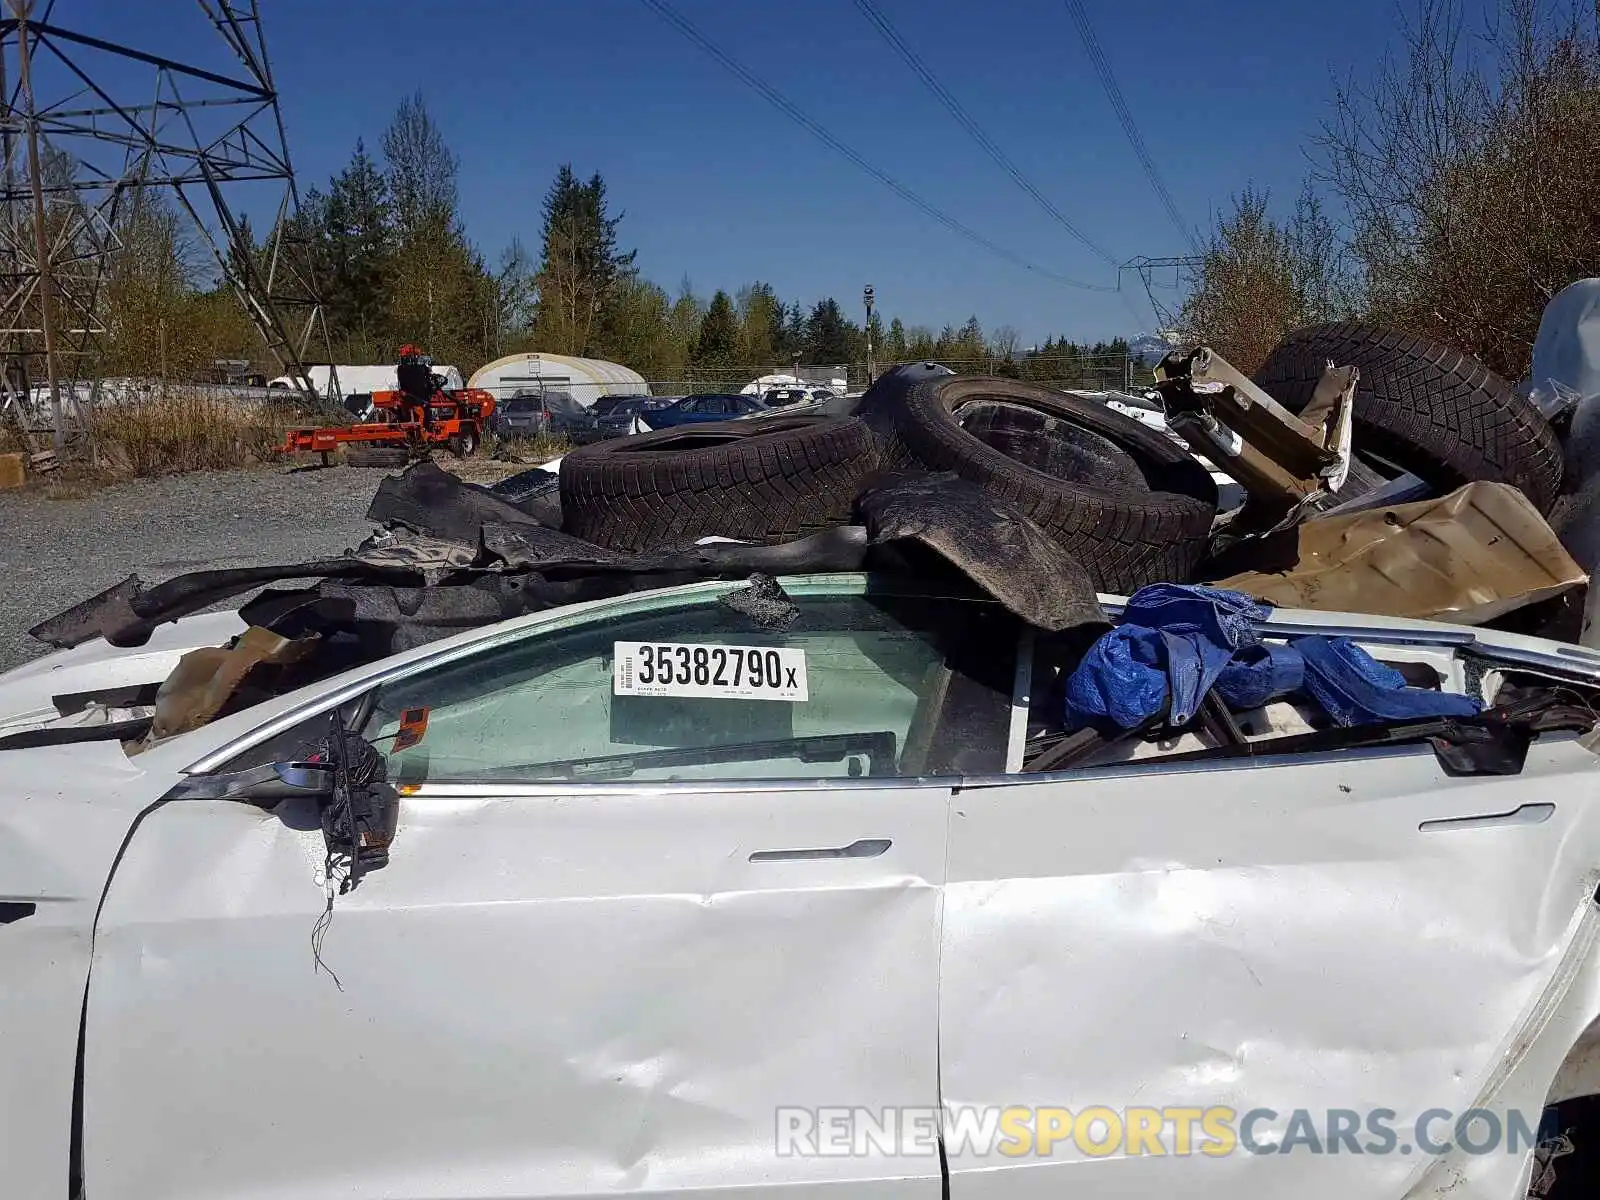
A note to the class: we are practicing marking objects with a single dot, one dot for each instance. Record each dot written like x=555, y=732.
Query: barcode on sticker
x=709, y=670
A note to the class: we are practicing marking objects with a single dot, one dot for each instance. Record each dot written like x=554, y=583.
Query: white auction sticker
x=709, y=670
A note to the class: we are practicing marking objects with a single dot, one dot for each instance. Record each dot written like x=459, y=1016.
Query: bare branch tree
x=1467, y=167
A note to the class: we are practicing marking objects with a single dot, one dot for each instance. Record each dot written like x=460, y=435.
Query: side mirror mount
x=298, y=779
x=265, y=785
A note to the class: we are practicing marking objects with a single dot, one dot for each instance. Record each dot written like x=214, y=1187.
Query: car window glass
x=561, y=402
x=893, y=686
x=692, y=406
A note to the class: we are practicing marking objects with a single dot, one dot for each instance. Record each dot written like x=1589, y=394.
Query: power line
x=985, y=142
x=1119, y=105
x=784, y=105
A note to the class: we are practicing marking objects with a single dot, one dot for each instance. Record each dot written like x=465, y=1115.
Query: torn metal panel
x=130, y=612
x=204, y=680
x=1468, y=557
x=435, y=558
x=33, y=694
x=429, y=500
x=557, y=991
x=1284, y=462
x=1296, y=938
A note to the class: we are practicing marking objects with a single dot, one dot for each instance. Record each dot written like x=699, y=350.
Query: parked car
x=705, y=406
x=619, y=413
x=550, y=414
x=606, y=403
x=782, y=397
x=678, y=899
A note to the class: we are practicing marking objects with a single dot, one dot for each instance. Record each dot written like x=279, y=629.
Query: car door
x=625, y=941
x=1357, y=938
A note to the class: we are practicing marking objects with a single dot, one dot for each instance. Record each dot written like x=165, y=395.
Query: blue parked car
x=704, y=406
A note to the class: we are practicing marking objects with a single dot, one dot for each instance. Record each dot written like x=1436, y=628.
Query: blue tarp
x=1178, y=641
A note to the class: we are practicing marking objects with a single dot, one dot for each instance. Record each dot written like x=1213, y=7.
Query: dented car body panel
x=579, y=985
x=543, y=995
x=1358, y=933
x=64, y=814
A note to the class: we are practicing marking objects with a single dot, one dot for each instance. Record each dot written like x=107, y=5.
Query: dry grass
x=194, y=431
x=187, y=432
x=530, y=451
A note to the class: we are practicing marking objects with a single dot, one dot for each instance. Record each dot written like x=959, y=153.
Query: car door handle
x=863, y=848
x=1526, y=814
x=16, y=910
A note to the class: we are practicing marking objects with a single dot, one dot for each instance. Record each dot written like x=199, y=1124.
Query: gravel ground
x=56, y=552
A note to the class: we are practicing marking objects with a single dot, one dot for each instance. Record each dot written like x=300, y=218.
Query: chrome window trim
x=836, y=586
x=954, y=783
x=1575, y=659
x=1021, y=702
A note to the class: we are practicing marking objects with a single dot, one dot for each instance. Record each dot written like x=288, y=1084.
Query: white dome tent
x=355, y=380
x=584, y=379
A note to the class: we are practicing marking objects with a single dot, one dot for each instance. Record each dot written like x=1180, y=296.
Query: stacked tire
x=767, y=480
x=1423, y=408
x=1131, y=504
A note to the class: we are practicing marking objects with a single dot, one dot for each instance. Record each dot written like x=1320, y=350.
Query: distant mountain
x=1151, y=348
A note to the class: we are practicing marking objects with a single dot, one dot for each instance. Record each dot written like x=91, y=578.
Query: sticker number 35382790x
x=709, y=670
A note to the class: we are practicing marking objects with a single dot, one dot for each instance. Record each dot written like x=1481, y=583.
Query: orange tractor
x=406, y=423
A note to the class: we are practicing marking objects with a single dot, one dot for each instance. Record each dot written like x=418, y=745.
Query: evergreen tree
x=873, y=331
x=360, y=249
x=761, y=320
x=794, y=342
x=828, y=340
x=895, y=347
x=969, y=342
x=580, y=264
x=718, y=342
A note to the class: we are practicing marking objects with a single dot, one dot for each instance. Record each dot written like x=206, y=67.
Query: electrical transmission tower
x=88, y=126
x=1152, y=274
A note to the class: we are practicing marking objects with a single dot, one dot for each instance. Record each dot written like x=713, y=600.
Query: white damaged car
x=644, y=896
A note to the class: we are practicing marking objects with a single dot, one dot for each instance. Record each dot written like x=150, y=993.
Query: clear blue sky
x=719, y=186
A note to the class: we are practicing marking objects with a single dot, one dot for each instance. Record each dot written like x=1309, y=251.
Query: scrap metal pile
x=1035, y=497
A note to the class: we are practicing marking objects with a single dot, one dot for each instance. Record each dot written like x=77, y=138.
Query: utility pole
x=22, y=9
x=867, y=296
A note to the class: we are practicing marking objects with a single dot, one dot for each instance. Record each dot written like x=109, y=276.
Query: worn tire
x=465, y=444
x=758, y=481
x=536, y=492
x=377, y=456
x=1130, y=503
x=1438, y=413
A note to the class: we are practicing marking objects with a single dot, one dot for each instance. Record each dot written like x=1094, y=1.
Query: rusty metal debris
x=1285, y=463
x=204, y=680
x=1469, y=557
